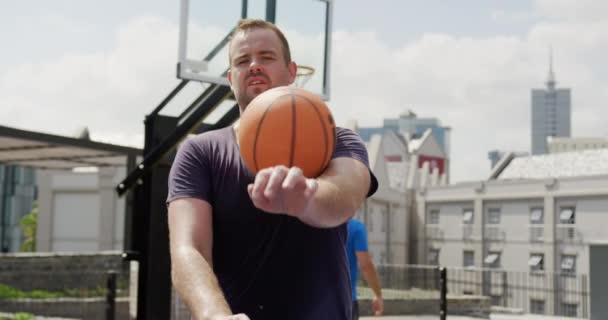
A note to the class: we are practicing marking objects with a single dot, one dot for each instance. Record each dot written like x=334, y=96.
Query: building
x=550, y=113
x=80, y=211
x=537, y=215
x=401, y=164
x=75, y=178
x=556, y=145
x=409, y=125
x=17, y=194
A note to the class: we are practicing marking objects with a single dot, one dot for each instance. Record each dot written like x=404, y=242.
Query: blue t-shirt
x=269, y=266
x=356, y=241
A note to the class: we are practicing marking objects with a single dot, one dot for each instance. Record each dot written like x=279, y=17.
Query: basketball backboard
x=206, y=26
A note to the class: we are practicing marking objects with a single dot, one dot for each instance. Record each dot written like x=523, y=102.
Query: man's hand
x=282, y=190
x=378, y=306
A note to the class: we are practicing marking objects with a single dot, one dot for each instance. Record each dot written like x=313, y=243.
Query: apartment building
x=537, y=215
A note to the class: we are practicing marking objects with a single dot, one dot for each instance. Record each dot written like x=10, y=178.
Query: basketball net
x=303, y=74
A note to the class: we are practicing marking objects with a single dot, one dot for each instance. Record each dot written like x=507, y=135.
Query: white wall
x=80, y=211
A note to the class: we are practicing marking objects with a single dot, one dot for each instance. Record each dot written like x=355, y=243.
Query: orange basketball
x=287, y=126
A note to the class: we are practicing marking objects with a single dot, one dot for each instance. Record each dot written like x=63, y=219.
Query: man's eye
x=241, y=62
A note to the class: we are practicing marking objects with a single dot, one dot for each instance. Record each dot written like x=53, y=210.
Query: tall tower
x=550, y=112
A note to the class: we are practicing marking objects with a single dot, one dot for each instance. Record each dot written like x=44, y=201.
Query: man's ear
x=293, y=69
x=230, y=77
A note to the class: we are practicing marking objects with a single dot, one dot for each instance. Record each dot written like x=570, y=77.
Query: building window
x=537, y=306
x=433, y=217
x=493, y=216
x=536, y=215
x=467, y=216
x=568, y=264
x=468, y=259
x=536, y=262
x=492, y=260
x=567, y=215
x=569, y=309
x=433, y=258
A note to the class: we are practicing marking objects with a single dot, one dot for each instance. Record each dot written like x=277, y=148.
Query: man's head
x=259, y=59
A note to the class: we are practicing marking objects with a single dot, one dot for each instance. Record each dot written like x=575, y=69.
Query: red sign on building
x=434, y=162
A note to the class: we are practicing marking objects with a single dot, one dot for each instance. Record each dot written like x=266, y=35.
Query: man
x=269, y=246
x=356, y=249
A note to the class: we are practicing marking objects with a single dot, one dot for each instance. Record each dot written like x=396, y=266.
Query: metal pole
x=111, y=296
x=443, y=300
x=271, y=10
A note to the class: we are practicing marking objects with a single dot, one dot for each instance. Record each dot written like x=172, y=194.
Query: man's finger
x=259, y=185
x=294, y=176
x=275, y=181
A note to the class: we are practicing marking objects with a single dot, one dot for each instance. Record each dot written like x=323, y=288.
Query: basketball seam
x=325, y=153
x=292, y=149
x=257, y=134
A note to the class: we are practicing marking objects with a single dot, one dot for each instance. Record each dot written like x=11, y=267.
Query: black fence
x=543, y=293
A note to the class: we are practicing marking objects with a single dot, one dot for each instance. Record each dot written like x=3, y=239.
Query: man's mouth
x=256, y=80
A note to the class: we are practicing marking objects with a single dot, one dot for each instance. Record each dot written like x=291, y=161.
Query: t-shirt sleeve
x=189, y=176
x=360, y=238
x=350, y=145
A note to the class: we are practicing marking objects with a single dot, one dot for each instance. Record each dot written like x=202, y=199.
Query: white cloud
x=480, y=87
x=109, y=91
x=580, y=10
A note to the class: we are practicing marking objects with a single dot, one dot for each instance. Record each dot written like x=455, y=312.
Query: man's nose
x=255, y=66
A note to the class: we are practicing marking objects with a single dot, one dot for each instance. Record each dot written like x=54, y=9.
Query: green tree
x=28, y=226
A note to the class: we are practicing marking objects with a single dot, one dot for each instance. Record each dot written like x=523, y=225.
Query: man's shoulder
x=208, y=138
x=217, y=135
x=345, y=132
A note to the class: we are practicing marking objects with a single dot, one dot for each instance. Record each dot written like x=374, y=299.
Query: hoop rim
x=304, y=71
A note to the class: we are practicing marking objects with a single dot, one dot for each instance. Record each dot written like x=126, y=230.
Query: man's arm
x=371, y=277
x=342, y=188
x=190, y=236
x=324, y=202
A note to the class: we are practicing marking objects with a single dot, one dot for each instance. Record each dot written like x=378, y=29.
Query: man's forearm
x=196, y=283
x=331, y=206
x=371, y=277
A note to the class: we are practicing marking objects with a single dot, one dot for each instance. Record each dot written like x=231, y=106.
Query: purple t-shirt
x=269, y=266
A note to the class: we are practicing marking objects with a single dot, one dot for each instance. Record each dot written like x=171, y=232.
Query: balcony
x=567, y=233
x=494, y=233
x=434, y=232
x=536, y=232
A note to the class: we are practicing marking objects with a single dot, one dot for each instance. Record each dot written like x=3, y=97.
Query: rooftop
x=557, y=165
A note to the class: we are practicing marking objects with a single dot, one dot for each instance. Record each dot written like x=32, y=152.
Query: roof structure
x=47, y=151
x=555, y=165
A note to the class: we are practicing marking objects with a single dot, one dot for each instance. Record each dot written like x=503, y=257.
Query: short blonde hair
x=248, y=24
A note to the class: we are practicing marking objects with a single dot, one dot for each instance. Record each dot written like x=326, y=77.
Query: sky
x=470, y=63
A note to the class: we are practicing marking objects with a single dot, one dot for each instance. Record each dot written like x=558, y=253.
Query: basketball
x=287, y=126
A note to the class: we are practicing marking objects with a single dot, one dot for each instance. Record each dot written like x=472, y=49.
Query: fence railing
x=536, y=292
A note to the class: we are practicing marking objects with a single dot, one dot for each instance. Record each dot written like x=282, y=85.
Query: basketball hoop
x=303, y=74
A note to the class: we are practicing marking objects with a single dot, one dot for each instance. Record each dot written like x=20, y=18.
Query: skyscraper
x=550, y=113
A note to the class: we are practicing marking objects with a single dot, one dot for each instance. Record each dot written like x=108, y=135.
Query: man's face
x=257, y=64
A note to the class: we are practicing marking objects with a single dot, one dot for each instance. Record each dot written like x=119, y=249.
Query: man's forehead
x=252, y=36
